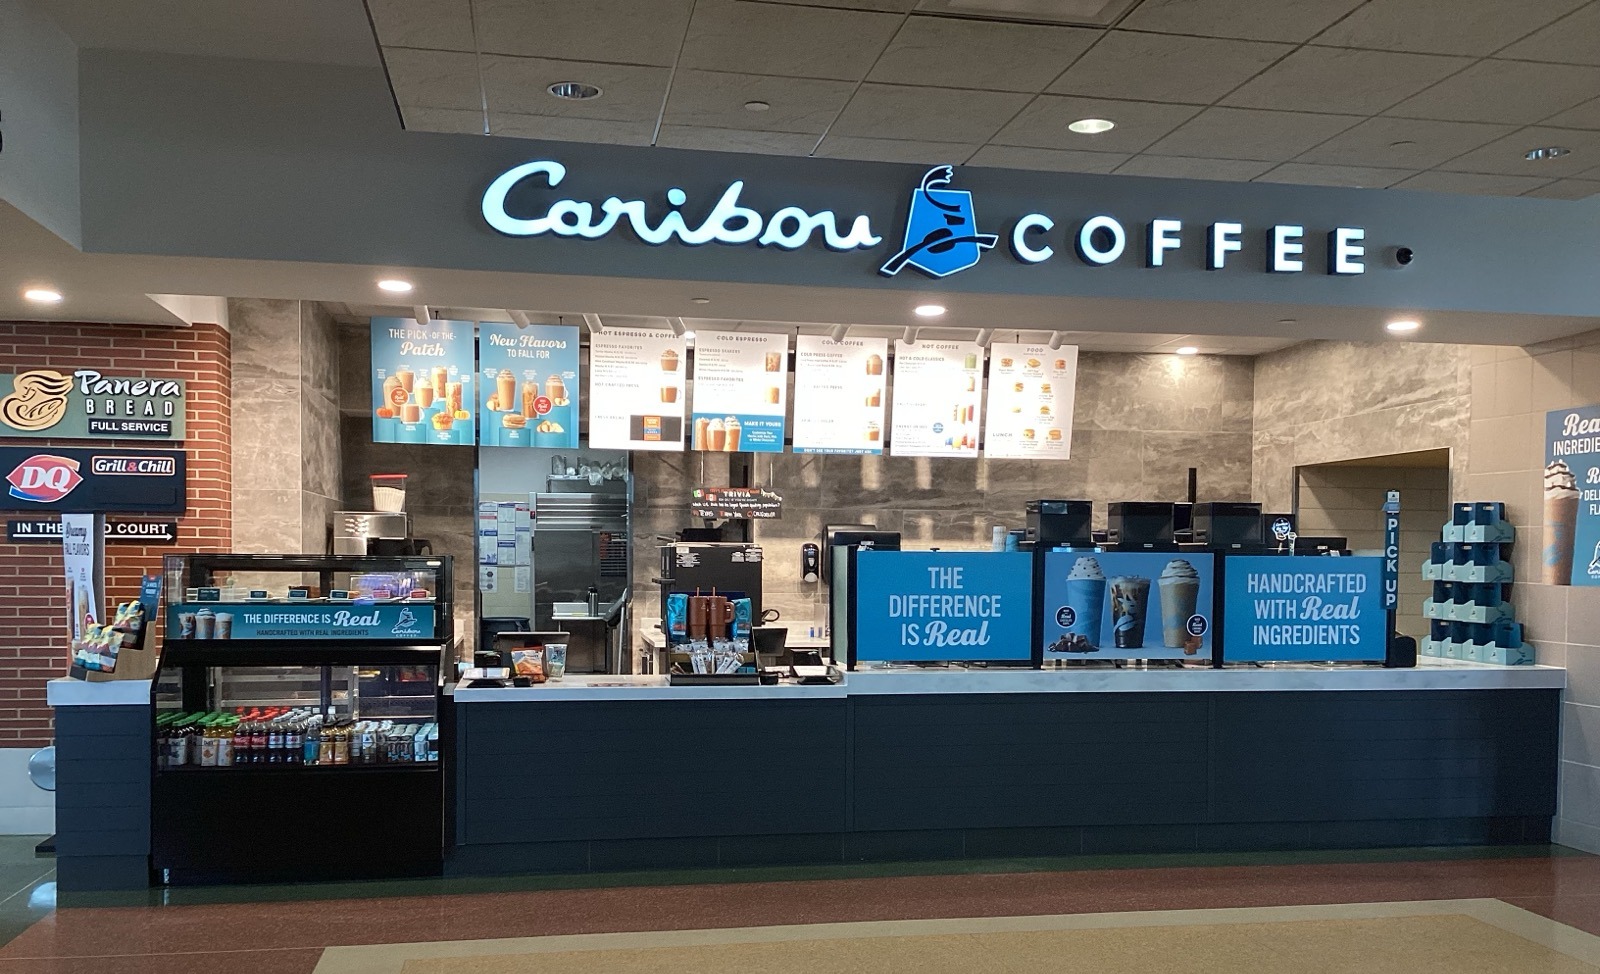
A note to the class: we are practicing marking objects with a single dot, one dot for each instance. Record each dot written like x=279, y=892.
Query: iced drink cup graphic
x=407, y=379
x=1560, y=522
x=1086, y=594
x=505, y=389
x=1130, y=601
x=716, y=436
x=424, y=395
x=440, y=377
x=1180, y=593
x=702, y=427
x=731, y=424
x=774, y=362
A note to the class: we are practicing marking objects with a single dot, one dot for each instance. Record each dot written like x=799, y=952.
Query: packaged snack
x=529, y=662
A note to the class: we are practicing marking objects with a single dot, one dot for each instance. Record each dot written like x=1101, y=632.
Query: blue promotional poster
x=422, y=382
x=354, y=620
x=1285, y=609
x=1571, y=498
x=1128, y=605
x=741, y=382
x=530, y=385
x=930, y=606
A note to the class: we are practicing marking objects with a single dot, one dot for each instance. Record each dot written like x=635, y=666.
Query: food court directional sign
x=1303, y=609
x=943, y=605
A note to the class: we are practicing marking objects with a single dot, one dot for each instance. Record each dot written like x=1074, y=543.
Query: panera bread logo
x=88, y=404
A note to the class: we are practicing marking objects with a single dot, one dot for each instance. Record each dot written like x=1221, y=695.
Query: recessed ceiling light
x=929, y=310
x=574, y=90
x=1092, y=126
x=1187, y=350
x=699, y=300
x=394, y=285
x=756, y=106
x=1403, y=326
x=42, y=295
x=1546, y=152
x=688, y=336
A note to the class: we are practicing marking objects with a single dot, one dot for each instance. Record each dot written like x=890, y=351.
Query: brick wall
x=33, y=645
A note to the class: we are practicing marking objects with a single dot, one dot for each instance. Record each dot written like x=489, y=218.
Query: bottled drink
x=275, y=741
x=226, y=728
x=341, y=743
x=258, y=742
x=313, y=739
x=208, y=744
x=325, y=744
x=293, y=742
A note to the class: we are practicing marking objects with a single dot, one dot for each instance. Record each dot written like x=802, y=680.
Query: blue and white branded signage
x=741, y=392
x=943, y=605
x=1286, y=609
x=942, y=234
x=1128, y=605
x=530, y=385
x=306, y=621
x=422, y=382
x=1571, y=498
x=941, y=237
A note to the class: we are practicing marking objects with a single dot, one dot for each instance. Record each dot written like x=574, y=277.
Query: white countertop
x=1429, y=674
x=655, y=639
x=67, y=692
x=599, y=686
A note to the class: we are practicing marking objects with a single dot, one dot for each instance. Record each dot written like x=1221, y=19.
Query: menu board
x=740, y=391
x=943, y=605
x=1128, y=605
x=422, y=382
x=938, y=387
x=1031, y=391
x=1570, y=500
x=1303, y=609
x=530, y=385
x=637, y=390
x=838, y=394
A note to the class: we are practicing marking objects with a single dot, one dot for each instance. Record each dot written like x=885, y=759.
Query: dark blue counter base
x=612, y=786
x=747, y=851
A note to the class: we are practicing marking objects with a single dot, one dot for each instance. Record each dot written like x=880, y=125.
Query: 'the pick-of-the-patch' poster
x=530, y=385
x=422, y=382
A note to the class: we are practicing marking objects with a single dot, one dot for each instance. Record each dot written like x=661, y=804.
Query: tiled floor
x=21, y=875
x=284, y=930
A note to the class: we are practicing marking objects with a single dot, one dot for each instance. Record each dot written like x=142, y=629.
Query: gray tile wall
x=1511, y=390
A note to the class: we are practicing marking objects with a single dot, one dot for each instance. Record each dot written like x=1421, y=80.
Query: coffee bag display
x=422, y=382
x=838, y=394
x=637, y=390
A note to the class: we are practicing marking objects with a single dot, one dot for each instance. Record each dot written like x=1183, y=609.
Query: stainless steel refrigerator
x=579, y=540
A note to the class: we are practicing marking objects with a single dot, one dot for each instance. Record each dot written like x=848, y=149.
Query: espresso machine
x=386, y=533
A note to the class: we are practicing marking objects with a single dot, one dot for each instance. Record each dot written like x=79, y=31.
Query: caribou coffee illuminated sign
x=941, y=238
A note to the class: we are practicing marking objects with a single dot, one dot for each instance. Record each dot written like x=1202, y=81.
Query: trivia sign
x=929, y=606
x=1303, y=609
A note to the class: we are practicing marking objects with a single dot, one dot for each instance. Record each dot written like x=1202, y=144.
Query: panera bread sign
x=86, y=404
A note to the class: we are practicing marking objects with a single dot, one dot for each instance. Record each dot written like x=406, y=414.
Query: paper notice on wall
x=1031, y=393
x=938, y=387
x=488, y=532
x=522, y=579
x=637, y=392
x=839, y=392
x=83, y=549
x=740, y=391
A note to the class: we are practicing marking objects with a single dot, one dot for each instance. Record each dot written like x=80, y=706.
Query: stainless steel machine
x=375, y=533
x=580, y=540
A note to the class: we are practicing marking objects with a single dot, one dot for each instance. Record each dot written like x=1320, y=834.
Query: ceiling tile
x=1479, y=27
x=1243, y=133
x=895, y=6
x=1506, y=155
x=1475, y=184
x=894, y=150
x=717, y=99
x=433, y=79
x=1258, y=20
x=1515, y=92
x=800, y=42
x=1358, y=177
x=1186, y=167
x=438, y=25
x=518, y=84
x=980, y=54
x=1570, y=40
x=1567, y=189
x=1332, y=79
x=730, y=140
x=615, y=31
x=927, y=114
x=1404, y=143
x=460, y=121
x=1163, y=67
x=1047, y=160
x=572, y=129
x=1044, y=122
x=1585, y=116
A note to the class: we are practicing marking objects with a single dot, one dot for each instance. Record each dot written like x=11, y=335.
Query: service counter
x=608, y=773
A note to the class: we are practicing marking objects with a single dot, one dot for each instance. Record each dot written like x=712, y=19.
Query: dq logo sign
x=941, y=232
x=44, y=479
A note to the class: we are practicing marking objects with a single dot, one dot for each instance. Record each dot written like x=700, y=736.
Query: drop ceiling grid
x=1457, y=125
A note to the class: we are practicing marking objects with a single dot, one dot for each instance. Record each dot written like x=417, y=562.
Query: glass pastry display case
x=297, y=716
